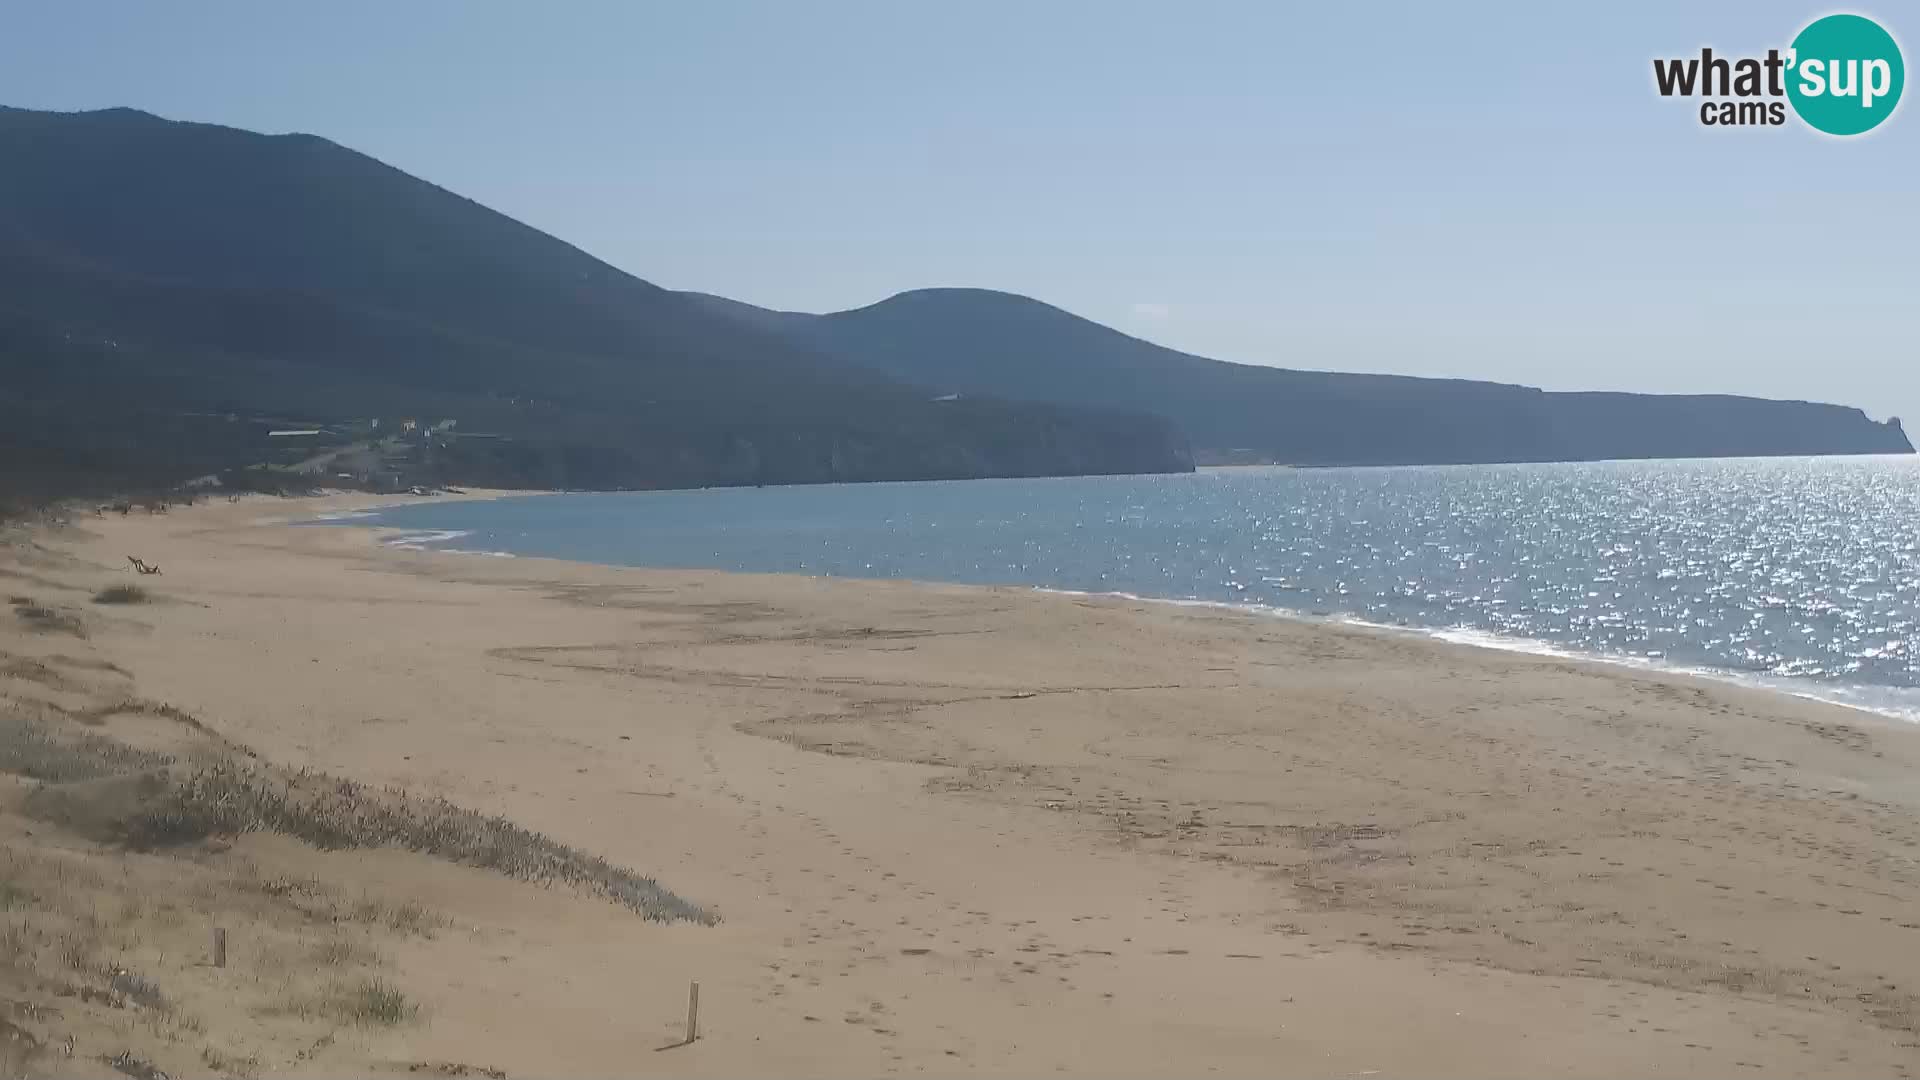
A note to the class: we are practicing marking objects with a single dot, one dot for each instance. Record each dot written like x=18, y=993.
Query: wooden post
x=219, y=946
x=693, y=1011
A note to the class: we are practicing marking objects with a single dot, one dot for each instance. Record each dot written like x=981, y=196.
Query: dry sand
x=956, y=830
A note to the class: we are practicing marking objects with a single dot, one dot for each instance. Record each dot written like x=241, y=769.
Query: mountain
x=172, y=293
x=976, y=341
x=169, y=291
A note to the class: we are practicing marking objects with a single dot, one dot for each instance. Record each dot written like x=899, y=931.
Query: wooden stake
x=693, y=1010
x=219, y=946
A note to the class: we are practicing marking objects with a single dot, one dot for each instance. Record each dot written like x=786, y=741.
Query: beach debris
x=138, y=989
x=143, y=566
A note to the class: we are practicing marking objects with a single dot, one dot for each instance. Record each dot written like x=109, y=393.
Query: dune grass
x=146, y=800
x=372, y=1003
x=230, y=798
x=344, y=952
x=29, y=748
x=42, y=618
x=122, y=594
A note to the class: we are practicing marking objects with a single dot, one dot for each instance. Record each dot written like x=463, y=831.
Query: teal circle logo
x=1845, y=74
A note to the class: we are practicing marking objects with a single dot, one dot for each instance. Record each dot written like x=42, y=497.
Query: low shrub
x=373, y=1003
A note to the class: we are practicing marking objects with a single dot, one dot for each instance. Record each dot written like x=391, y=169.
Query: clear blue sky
x=1491, y=191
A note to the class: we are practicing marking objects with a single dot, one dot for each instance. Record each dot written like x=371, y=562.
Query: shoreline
x=1839, y=695
x=980, y=829
x=1470, y=638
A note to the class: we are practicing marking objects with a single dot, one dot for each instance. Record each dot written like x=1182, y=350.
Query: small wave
x=344, y=515
x=433, y=540
x=1485, y=639
x=1892, y=702
x=420, y=541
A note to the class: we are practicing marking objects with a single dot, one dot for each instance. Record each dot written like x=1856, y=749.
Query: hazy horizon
x=1501, y=196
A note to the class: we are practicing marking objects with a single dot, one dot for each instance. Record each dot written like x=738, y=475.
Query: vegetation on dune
x=373, y=1003
x=230, y=798
x=148, y=801
x=40, y=617
x=110, y=943
x=111, y=955
x=31, y=748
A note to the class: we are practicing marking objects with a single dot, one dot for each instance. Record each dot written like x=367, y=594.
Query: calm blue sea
x=1802, y=574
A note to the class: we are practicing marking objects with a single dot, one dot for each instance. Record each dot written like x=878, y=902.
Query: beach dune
x=954, y=830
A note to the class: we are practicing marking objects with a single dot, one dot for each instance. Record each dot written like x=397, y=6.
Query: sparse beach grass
x=146, y=800
x=119, y=823
x=31, y=747
x=373, y=1003
x=43, y=619
x=230, y=798
x=122, y=594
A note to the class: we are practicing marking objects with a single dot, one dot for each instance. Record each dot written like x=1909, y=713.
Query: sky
x=1472, y=190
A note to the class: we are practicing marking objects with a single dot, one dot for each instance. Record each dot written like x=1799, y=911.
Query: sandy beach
x=955, y=830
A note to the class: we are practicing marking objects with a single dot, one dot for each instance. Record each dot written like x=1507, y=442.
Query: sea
x=1796, y=574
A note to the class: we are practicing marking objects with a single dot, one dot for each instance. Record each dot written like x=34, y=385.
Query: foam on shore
x=1892, y=702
